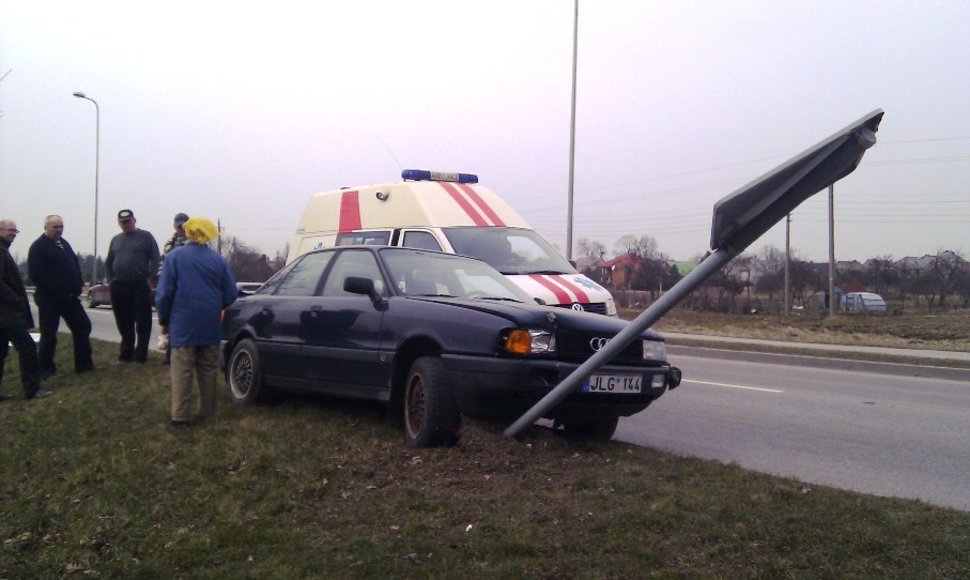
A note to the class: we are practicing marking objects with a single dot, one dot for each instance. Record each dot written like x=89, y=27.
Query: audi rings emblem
x=578, y=307
x=598, y=343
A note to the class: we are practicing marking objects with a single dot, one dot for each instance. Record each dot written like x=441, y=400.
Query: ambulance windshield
x=511, y=251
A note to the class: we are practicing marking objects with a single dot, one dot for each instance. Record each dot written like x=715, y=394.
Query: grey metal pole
x=787, y=265
x=572, y=138
x=832, y=250
x=704, y=270
x=97, y=155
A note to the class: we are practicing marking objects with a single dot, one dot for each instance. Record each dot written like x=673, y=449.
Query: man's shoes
x=5, y=397
x=41, y=393
x=175, y=424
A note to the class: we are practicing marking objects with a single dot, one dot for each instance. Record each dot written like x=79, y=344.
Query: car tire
x=91, y=302
x=244, y=375
x=431, y=416
x=601, y=430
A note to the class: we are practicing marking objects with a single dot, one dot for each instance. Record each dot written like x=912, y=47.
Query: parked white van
x=448, y=212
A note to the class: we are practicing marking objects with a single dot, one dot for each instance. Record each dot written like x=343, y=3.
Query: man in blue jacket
x=195, y=286
x=56, y=273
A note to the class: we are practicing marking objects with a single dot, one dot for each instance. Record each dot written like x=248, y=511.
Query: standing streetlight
x=97, y=150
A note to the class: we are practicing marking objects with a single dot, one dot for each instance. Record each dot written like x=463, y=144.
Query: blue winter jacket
x=195, y=285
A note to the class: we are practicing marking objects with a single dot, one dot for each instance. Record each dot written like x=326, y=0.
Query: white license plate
x=617, y=384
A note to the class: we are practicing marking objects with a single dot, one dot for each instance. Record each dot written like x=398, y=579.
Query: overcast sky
x=239, y=111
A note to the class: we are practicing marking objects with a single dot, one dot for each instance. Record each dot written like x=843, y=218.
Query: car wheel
x=244, y=375
x=601, y=430
x=91, y=302
x=431, y=416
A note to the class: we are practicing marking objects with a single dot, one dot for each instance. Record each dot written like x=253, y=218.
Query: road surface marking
x=733, y=386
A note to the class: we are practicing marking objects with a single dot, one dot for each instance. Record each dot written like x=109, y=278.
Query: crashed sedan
x=434, y=336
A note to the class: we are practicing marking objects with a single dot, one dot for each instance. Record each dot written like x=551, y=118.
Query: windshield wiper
x=500, y=299
x=549, y=272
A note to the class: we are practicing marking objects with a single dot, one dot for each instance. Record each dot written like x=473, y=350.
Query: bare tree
x=590, y=249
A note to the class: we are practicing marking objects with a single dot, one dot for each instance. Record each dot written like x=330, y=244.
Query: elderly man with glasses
x=16, y=319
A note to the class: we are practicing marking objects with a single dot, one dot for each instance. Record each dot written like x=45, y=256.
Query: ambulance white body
x=448, y=212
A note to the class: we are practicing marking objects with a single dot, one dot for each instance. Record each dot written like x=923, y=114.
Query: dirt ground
x=938, y=331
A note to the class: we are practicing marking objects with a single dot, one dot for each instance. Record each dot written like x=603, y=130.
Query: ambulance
x=448, y=212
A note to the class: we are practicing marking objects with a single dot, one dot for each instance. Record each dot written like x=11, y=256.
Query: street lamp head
x=80, y=94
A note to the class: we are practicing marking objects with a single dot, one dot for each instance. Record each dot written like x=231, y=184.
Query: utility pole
x=219, y=227
x=572, y=138
x=832, y=250
x=787, y=263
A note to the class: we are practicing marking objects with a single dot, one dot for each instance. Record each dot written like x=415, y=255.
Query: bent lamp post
x=739, y=219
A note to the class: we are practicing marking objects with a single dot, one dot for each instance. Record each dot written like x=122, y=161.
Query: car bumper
x=507, y=388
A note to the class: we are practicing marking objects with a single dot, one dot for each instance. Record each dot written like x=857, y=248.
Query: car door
x=343, y=331
x=276, y=318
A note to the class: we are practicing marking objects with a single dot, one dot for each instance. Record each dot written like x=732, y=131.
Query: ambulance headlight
x=610, y=306
x=423, y=175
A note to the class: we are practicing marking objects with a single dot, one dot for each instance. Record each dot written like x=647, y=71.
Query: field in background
x=931, y=331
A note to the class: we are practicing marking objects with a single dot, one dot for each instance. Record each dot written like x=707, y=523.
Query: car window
x=357, y=263
x=420, y=239
x=304, y=276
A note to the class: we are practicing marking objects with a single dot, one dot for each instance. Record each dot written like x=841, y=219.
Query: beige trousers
x=204, y=362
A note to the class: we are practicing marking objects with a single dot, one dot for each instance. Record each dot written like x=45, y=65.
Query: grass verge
x=93, y=482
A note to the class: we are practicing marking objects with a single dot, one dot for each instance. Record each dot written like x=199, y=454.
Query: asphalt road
x=880, y=434
x=876, y=433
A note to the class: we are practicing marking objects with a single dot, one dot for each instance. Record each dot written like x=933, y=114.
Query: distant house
x=623, y=270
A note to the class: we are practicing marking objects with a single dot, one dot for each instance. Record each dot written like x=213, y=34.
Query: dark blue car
x=435, y=336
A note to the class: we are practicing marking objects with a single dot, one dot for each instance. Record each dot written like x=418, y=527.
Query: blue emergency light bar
x=423, y=175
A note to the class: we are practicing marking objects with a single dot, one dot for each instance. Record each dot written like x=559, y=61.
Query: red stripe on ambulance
x=482, y=204
x=581, y=296
x=561, y=296
x=463, y=203
x=349, y=211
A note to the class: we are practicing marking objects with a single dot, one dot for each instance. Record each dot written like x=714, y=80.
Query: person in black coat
x=56, y=272
x=16, y=319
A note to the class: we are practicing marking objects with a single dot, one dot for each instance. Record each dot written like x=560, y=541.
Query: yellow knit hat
x=200, y=230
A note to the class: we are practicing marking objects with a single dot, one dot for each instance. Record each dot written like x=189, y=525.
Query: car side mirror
x=364, y=286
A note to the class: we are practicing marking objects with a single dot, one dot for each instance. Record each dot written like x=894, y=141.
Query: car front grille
x=595, y=308
x=576, y=347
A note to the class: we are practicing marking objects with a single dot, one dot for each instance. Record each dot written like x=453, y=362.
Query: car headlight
x=654, y=350
x=610, y=306
x=526, y=341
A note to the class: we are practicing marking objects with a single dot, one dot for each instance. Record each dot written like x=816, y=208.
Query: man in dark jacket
x=16, y=319
x=132, y=265
x=56, y=272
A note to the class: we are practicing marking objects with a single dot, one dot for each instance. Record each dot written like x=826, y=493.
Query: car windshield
x=422, y=273
x=511, y=251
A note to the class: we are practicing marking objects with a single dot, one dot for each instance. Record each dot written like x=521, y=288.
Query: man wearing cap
x=178, y=240
x=16, y=319
x=56, y=272
x=132, y=265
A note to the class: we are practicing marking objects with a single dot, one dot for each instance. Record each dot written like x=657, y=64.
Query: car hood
x=563, y=319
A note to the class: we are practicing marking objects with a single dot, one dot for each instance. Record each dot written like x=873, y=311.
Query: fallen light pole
x=739, y=219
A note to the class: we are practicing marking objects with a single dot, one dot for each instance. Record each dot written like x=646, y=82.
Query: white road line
x=734, y=386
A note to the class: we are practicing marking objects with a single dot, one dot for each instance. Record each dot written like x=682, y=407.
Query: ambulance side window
x=379, y=238
x=421, y=240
